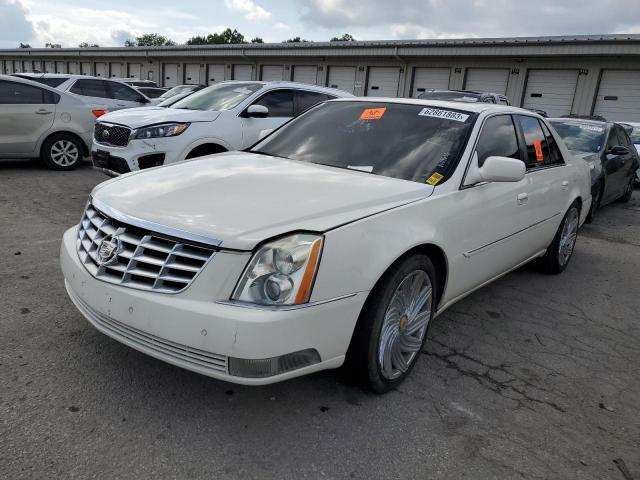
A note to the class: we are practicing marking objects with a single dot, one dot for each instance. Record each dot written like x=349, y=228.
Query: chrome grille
x=144, y=259
x=114, y=135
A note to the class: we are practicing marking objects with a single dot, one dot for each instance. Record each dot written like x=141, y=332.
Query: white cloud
x=250, y=10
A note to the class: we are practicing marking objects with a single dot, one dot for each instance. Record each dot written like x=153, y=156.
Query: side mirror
x=619, y=150
x=502, y=169
x=257, y=111
x=264, y=133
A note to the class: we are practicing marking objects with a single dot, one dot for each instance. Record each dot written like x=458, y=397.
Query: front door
x=280, y=105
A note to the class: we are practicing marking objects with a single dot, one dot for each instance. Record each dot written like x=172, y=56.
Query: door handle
x=565, y=184
x=523, y=198
x=42, y=111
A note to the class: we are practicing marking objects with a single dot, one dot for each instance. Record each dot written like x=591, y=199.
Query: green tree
x=87, y=45
x=257, y=40
x=226, y=37
x=347, y=37
x=24, y=45
x=296, y=40
x=52, y=45
x=149, y=40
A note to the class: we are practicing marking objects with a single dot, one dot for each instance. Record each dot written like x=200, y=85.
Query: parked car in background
x=634, y=135
x=151, y=92
x=136, y=82
x=471, y=96
x=116, y=95
x=225, y=116
x=611, y=156
x=335, y=240
x=39, y=121
x=174, y=94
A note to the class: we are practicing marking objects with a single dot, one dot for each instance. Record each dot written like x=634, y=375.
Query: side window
x=279, y=103
x=536, y=145
x=124, y=92
x=555, y=157
x=91, y=88
x=14, y=93
x=498, y=138
x=305, y=100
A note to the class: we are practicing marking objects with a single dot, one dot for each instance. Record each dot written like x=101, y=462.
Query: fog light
x=268, y=367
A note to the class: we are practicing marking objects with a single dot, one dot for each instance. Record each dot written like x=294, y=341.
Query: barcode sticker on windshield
x=446, y=114
x=591, y=128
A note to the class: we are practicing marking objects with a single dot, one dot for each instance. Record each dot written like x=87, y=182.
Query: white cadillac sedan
x=335, y=240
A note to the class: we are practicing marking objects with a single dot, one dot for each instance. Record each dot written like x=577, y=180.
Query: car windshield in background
x=583, y=137
x=451, y=96
x=218, y=97
x=410, y=142
x=177, y=90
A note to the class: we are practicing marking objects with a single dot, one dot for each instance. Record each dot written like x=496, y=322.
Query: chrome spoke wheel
x=568, y=236
x=405, y=324
x=64, y=153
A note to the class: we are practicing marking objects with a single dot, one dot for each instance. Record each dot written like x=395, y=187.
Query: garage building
x=583, y=74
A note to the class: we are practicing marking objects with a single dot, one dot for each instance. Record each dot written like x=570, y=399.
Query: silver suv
x=39, y=121
x=116, y=95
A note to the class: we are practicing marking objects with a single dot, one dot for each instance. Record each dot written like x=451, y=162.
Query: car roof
x=308, y=86
x=472, y=92
x=13, y=78
x=460, y=106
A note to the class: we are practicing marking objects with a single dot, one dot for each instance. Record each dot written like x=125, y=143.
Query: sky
x=70, y=22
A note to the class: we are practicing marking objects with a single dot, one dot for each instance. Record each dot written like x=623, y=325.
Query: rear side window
x=279, y=103
x=535, y=142
x=498, y=138
x=91, y=88
x=124, y=92
x=13, y=93
x=306, y=100
x=555, y=157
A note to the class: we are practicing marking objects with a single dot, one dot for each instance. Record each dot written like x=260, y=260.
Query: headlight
x=164, y=130
x=281, y=272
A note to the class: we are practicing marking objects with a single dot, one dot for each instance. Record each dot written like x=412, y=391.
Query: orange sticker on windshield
x=372, y=113
x=537, y=144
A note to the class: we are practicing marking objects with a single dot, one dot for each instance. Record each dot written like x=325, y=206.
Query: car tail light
x=99, y=113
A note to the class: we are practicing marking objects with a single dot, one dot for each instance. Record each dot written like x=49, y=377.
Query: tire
x=596, y=197
x=560, y=251
x=381, y=333
x=62, y=152
x=628, y=193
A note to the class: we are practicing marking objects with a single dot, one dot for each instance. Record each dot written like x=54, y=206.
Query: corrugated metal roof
x=429, y=43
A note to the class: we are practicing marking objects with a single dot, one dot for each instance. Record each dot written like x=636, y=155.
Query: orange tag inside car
x=372, y=113
x=538, y=146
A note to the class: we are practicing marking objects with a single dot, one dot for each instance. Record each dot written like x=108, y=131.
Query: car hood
x=143, y=116
x=242, y=199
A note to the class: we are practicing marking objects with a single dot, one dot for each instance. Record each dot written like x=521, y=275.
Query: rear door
x=26, y=114
x=125, y=96
x=94, y=91
x=617, y=167
x=280, y=104
x=304, y=99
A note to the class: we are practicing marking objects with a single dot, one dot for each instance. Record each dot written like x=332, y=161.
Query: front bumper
x=137, y=155
x=194, y=331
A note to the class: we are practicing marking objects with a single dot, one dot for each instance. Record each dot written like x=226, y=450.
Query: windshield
x=635, y=135
x=410, y=142
x=177, y=90
x=218, y=97
x=451, y=96
x=584, y=137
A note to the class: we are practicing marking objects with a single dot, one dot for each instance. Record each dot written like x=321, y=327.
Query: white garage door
x=85, y=68
x=305, y=74
x=619, y=96
x=74, y=68
x=216, y=73
x=27, y=66
x=430, y=79
x=170, y=74
x=551, y=91
x=61, y=67
x=102, y=69
x=242, y=72
x=491, y=80
x=343, y=78
x=192, y=73
x=135, y=70
x=272, y=72
x=49, y=67
x=37, y=65
x=116, y=70
x=383, y=81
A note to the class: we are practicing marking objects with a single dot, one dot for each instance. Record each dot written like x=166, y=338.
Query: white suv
x=226, y=116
